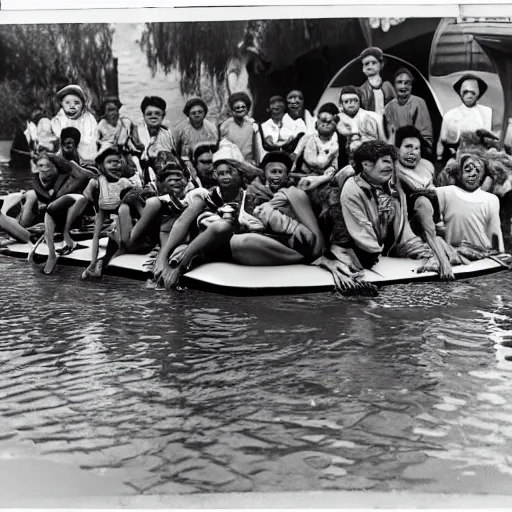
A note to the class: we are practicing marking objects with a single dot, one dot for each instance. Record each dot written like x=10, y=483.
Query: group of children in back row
x=337, y=190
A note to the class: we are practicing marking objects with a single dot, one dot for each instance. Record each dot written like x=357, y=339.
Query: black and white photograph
x=256, y=262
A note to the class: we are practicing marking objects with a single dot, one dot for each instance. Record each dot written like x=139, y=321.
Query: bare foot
x=51, y=262
x=93, y=270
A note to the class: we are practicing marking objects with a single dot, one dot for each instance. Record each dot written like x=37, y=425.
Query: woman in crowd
x=195, y=129
x=239, y=128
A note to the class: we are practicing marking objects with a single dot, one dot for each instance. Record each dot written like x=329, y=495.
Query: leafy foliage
x=202, y=49
x=195, y=49
x=40, y=59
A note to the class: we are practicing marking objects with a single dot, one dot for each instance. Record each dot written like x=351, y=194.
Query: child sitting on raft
x=218, y=216
x=286, y=215
x=106, y=192
x=156, y=208
x=416, y=176
x=74, y=112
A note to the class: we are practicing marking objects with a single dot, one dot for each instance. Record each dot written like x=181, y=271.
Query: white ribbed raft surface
x=240, y=278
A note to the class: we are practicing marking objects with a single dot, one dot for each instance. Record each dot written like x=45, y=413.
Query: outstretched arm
x=178, y=234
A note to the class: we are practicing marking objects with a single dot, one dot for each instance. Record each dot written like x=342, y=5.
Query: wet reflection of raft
x=244, y=280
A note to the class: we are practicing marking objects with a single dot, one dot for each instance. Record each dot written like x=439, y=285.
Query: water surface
x=194, y=392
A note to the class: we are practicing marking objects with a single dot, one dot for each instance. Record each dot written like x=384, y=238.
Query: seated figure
x=470, y=214
x=356, y=124
x=375, y=213
x=416, y=176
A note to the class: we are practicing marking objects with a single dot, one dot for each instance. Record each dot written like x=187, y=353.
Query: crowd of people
x=337, y=188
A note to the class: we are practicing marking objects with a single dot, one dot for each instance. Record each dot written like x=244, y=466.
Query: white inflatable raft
x=235, y=279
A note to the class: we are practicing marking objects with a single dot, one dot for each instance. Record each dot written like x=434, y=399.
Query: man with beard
x=407, y=110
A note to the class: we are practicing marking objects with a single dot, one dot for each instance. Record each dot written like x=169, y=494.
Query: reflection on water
x=189, y=391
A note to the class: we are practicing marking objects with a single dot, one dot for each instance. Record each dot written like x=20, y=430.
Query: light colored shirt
x=378, y=97
x=187, y=137
x=465, y=119
x=304, y=125
x=241, y=135
x=472, y=216
x=279, y=134
x=365, y=124
x=419, y=178
x=86, y=124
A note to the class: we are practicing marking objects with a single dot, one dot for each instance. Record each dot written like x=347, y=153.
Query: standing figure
x=469, y=116
x=375, y=93
x=195, y=129
x=74, y=112
x=240, y=129
x=408, y=110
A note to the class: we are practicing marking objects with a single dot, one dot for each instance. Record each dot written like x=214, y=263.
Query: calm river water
x=189, y=391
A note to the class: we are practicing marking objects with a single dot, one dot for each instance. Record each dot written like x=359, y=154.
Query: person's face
x=112, y=164
x=111, y=113
x=204, y=164
x=68, y=146
x=350, y=104
x=380, y=172
x=153, y=116
x=275, y=174
x=403, y=85
x=277, y=109
x=472, y=174
x=326, y=124
x=226, y=176
x=239, y=109
x=371, y=66
x=174, y=182
x=469, y=92
x=47, y=172
x=72, y=106
x=197, y=115
x=409, y=153
x=295, y=102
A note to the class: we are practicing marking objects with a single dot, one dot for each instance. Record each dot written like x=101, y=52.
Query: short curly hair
x=371, y=151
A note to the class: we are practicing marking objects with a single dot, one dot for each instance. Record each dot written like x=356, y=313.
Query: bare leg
x=13, y=228
x=301, y=205
x=256, y=249
x=28, y=209
x=73, y=213
x=91, y=270
x=124, y=224
x=215, y=235
x=424, y=212
x=149, y=214
x=49, y=225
